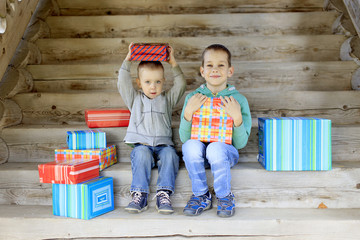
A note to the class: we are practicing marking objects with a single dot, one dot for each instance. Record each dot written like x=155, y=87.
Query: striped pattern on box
x=69, y=171
x=86, y=139
x=210, y=123
x=106, y=156
x=85, y=200
x=295, y=144
x=101, y=118
x=149, y=52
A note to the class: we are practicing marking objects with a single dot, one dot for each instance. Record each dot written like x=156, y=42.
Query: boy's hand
x=233, y=108
x=193, y=104
x=171, y=60
x=128, y=56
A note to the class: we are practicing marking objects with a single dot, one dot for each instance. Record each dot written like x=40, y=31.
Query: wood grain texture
x=248, y=76
x=190, y=25
x=109, y=7
x=270, y=48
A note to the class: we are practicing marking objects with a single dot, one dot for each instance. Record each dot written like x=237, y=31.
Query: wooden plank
x=258, y=24
x=267, y=48
x=252, y=76
x=34, y=144
x=335, y=188
x=69, y=107
x=109, y=7
x=29, y=222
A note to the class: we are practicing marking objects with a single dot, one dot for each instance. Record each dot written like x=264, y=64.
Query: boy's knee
x=193, y=148
x=215, y=151
x=141, y=153
x=169, y=153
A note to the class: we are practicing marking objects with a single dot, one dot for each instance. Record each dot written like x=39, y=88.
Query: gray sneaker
x=138, y=203
x=163, y=202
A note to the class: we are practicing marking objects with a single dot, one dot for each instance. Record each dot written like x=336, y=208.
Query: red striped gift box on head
x=149, y=52
x=71, y=171
x=101, y=118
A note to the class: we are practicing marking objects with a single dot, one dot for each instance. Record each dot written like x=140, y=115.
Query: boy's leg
x=168, y=167
x=221, y=158
x=142, y=162
x=194, y=158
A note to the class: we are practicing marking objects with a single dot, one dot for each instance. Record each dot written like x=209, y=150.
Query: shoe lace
x=136, y=197
x=164, y=197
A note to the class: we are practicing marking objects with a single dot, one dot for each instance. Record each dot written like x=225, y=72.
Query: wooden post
x=353, y=8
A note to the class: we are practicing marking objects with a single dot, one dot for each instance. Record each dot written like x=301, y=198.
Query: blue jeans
x=142, y=161
x=220, y=156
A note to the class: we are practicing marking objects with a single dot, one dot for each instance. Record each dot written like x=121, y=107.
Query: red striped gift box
x=149, y=52
x=102, y=118
x=70, y=171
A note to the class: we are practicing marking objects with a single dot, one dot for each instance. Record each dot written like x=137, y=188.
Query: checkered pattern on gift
x=210, y=123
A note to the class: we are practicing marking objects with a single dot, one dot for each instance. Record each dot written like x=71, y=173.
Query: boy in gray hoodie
x=150, y=130
x=216, y=69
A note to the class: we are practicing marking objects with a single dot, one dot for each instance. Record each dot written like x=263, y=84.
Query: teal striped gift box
x=85, y=200
x=86, y=139
x=295, y=144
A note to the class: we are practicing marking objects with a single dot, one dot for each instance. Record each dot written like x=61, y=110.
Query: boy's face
x=216, y=70
x=151, y=82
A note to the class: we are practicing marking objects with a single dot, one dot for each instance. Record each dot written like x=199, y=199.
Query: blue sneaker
x=197, y=204
x=138, y=202
x=226, y=206
x=163, y=202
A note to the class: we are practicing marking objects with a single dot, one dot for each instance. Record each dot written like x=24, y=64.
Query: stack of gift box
x=78, y=190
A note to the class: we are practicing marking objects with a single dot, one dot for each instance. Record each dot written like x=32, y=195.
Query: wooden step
x=68, y=108
x=37, y=222
x=256, y=48
x=36, y=143
x=252, y=186
x=125, y=7
x=248, y=76
x=257, y=24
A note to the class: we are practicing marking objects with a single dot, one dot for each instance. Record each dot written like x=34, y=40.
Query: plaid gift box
x=210, y=123
x=69, y=171
x=105, y=156
x=295, y=144
x=86, y=139
x=85, y=200
x=101, y=118
x=149, y=52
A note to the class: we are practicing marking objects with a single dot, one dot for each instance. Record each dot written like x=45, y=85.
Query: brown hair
x=150, y=65
x=217, y=47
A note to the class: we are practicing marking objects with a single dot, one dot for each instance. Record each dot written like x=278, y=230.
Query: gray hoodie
x=150, y=120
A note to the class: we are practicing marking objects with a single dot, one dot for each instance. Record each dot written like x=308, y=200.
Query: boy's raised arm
x=178, y=89
x=124, y=84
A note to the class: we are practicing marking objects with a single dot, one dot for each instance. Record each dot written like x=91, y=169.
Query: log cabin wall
x=291, y=58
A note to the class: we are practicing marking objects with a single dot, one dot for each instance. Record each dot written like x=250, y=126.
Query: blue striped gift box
x=295, y=144
x=86, y=139
x=85, y=200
